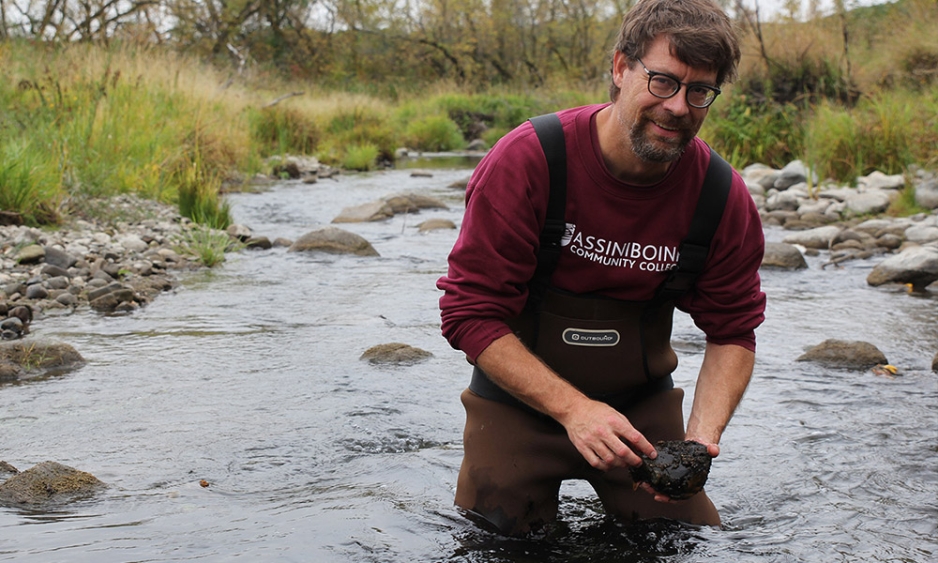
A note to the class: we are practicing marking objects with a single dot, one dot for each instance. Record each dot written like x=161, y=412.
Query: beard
x=661, y=150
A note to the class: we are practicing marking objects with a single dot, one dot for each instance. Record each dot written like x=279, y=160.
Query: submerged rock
x=846, y=354
x=680, y=470
x=394, y=353
x=21, y=358
x=333, y=240
x=48, y=482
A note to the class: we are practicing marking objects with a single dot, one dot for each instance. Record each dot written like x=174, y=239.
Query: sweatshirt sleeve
x=495, y=253
x=727, y=302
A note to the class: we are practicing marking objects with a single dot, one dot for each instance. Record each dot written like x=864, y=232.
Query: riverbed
x=248, y=377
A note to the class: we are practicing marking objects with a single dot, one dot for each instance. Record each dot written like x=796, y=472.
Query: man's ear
x=620, y=64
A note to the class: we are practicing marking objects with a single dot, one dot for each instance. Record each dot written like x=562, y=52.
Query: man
x=542, y=406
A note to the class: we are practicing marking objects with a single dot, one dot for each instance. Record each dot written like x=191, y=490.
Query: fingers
x=658, y=496
x=606, y=438
x=712, y=449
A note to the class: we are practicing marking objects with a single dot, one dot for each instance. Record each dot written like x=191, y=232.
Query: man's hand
x=604, y=436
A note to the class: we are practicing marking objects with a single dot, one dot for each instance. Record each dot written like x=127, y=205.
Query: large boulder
x=916, y=265
x=48, y=482
x=333, y=240
x=783, y=256
x=35, y=357
x=845, y=354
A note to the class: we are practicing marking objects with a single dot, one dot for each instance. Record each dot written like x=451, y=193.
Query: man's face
x=658, y=129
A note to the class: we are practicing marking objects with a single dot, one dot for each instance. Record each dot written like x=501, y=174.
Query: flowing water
x=248, y=377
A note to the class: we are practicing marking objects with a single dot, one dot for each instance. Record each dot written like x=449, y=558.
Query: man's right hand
x=604, y=436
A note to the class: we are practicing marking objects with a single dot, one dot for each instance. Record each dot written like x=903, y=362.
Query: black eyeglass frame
x=687, y=86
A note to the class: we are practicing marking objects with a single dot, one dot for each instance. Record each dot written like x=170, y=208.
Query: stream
x=248, y=377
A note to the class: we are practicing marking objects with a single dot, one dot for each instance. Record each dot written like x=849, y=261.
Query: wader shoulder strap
x=550, y=134
x=695, y=247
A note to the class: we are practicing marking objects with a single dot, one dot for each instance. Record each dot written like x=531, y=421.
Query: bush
x=360, y=157
x=883, y=132
x=359, y=126
x=282, y=130
x=744, y=132
x=434, y=133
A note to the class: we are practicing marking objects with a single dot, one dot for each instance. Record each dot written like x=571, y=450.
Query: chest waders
x=612, y=350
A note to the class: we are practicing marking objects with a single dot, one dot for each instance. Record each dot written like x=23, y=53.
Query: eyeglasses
x=663, y=86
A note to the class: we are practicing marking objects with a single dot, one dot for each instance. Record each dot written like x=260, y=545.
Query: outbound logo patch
x=586, y=337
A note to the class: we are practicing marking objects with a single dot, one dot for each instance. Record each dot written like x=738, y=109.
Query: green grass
x=207, y=244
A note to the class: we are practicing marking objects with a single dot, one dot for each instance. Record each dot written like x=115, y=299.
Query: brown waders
x=515, y=458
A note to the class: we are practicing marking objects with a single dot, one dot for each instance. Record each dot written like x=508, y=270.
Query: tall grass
x=28, y=181
x=90, y=122
x=86, y=121
x=883, y=132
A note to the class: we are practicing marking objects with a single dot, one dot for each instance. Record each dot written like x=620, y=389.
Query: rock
x=132, y=242
x=366, y=212
x=788, y=200
x=410, y=203
x=394, y=353
x=917, y=265
x=921, y=234
x=7, y=470
x=926, y=193
x=876, y=180
x=866, y=203
x=10, y=371
x=793, y=173
x=477, y=145
x=30, y=254
x=239, y=232
x=41, y=357
x=48, y=482
x=333, y=240
x=36, y=291
x=59, y=258
x=783, y=256
x=258, y=243
x=819, y=237
x=10, y=218
x=680, y=471
x=109, y=302
x=435, y=224
x=934, y=363
x=845, y=354
x=459, y=184
x=288, y=169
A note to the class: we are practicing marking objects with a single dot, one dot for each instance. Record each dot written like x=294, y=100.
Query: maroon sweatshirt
x=621, y=239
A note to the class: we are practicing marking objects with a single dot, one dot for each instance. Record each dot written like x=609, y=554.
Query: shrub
x=360, y=157
x=283, y=130
x=434, y=133
x=745, y=132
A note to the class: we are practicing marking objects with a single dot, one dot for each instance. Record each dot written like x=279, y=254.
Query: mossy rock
x=48, y=482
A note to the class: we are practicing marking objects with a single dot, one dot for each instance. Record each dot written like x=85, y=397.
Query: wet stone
x=680, y=470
